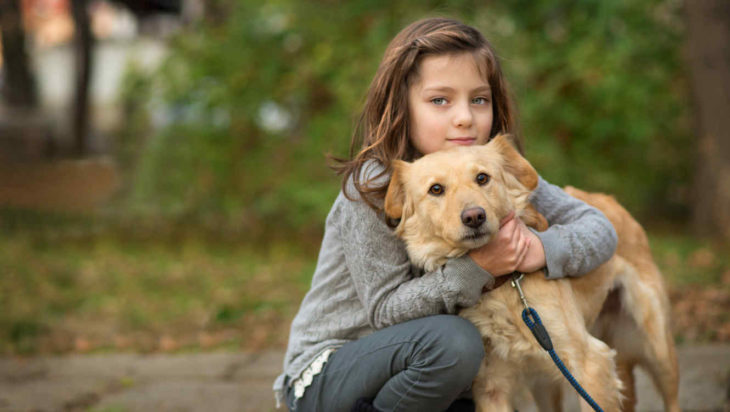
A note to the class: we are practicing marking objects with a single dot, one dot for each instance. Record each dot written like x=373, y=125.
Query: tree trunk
x=708, y=23
x=19, y=87
x=83, y=46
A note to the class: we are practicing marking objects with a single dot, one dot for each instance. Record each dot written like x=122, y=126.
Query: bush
x=256, y=94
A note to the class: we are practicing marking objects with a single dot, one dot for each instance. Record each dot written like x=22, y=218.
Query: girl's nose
x=462, y=115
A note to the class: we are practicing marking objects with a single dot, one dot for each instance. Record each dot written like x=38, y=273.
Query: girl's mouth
x=464, y=141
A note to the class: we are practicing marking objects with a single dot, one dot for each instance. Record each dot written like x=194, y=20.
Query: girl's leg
x=420, y=365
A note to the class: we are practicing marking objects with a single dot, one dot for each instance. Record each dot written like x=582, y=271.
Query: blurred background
x=163, y=178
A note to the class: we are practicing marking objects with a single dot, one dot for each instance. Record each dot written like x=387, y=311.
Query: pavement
x=242, y=382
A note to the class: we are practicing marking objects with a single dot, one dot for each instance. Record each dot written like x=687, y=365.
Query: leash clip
x=516, y=278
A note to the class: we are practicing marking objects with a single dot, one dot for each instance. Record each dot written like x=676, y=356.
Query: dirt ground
x=60, y=185
x=242, y=382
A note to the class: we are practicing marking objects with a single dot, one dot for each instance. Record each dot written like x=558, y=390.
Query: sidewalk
x=242, y=382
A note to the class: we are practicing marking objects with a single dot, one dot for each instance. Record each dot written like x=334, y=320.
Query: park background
x=163, y=171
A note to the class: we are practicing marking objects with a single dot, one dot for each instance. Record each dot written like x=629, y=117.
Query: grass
x=71, y=285
x=101, y=292
x=698, y=277
x=687, y=261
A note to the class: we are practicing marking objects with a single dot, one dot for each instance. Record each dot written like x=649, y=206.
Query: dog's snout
x=473, y=217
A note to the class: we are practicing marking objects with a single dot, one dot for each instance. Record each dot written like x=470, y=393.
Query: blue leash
x=532, y=320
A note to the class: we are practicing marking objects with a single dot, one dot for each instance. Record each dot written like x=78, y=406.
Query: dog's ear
x=395, y=198
x=534, y=219
x=514, y=163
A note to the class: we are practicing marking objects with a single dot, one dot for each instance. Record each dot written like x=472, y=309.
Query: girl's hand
x=514, y=247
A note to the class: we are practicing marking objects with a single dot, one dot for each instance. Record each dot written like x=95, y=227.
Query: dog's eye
x=436, y=190
x=482, y=179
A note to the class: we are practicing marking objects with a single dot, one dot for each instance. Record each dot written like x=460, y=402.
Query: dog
x=601, y=324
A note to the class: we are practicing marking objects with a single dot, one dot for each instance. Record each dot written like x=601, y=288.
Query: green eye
x=436, y=190
x=482, y=179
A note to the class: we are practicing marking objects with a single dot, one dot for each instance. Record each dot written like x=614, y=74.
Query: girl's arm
x=580, y=237
x=383, y=277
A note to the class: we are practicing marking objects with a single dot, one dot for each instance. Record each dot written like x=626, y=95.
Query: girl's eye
x=480, y=100
x=439, y=101
x=482, y=179
x=436, y=190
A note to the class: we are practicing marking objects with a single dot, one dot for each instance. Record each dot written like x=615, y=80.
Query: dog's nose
x=473, y=217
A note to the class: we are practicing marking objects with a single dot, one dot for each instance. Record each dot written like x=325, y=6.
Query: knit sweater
x=363, y=280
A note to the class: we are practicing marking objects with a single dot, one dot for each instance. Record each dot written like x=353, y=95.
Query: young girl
x=372, y=333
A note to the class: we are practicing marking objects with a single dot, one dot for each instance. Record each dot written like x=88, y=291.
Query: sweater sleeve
x=579, y=238
x=388, y=287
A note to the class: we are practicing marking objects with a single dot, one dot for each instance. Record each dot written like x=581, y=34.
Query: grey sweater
x=364, y=282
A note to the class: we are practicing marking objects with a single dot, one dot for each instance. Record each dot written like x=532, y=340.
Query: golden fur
x=602, y=324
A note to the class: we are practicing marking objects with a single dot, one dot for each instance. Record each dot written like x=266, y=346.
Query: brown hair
x=382, y=131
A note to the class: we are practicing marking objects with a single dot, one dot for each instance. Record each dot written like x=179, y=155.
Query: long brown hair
x=382, y=131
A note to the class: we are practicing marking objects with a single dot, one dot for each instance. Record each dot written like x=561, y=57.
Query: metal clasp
x=516, y=278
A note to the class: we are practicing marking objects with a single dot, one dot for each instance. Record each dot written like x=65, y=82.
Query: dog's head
x=451, y=201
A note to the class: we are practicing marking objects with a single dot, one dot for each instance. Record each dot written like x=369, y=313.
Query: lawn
x=698, y=277
x=76, y=287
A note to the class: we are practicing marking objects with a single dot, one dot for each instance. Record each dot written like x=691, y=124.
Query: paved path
x=242, y=382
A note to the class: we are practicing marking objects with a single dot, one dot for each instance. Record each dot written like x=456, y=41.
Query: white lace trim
x=314, y=368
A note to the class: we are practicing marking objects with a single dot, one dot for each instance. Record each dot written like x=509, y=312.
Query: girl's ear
x=395, y=198
x=513, y=162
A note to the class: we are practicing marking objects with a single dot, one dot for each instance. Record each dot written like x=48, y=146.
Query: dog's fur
x=602, y=324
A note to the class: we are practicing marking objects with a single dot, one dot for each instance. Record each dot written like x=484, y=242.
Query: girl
x=372, y=333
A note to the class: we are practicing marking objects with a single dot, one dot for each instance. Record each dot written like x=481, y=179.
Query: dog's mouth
x=476, y=236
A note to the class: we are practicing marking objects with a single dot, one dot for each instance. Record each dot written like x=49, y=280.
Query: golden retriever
x=601, y=324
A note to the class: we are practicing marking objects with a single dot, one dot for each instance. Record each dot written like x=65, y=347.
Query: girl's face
x=450, y=104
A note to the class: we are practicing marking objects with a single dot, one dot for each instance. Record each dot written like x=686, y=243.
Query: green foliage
x=254, y=96
x=603, y=96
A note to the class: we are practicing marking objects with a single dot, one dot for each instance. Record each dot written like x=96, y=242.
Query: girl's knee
x=458, y=340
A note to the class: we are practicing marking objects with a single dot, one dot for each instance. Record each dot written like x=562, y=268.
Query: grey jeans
x=419, y=365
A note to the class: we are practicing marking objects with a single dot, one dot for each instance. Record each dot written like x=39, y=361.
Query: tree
x=19, y=87
x=83, y=56
x=83, y=46
x=708, y=24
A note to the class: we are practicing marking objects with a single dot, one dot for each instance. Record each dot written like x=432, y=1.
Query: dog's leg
x=645, y=335
x=661, y=363
x=625, y=369
x=598, y=376
x=494, y=385
x=659, y=358
x=548, y=396
x=650, y=346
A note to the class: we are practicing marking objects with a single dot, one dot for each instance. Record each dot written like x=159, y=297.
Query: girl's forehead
x=459, y=67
